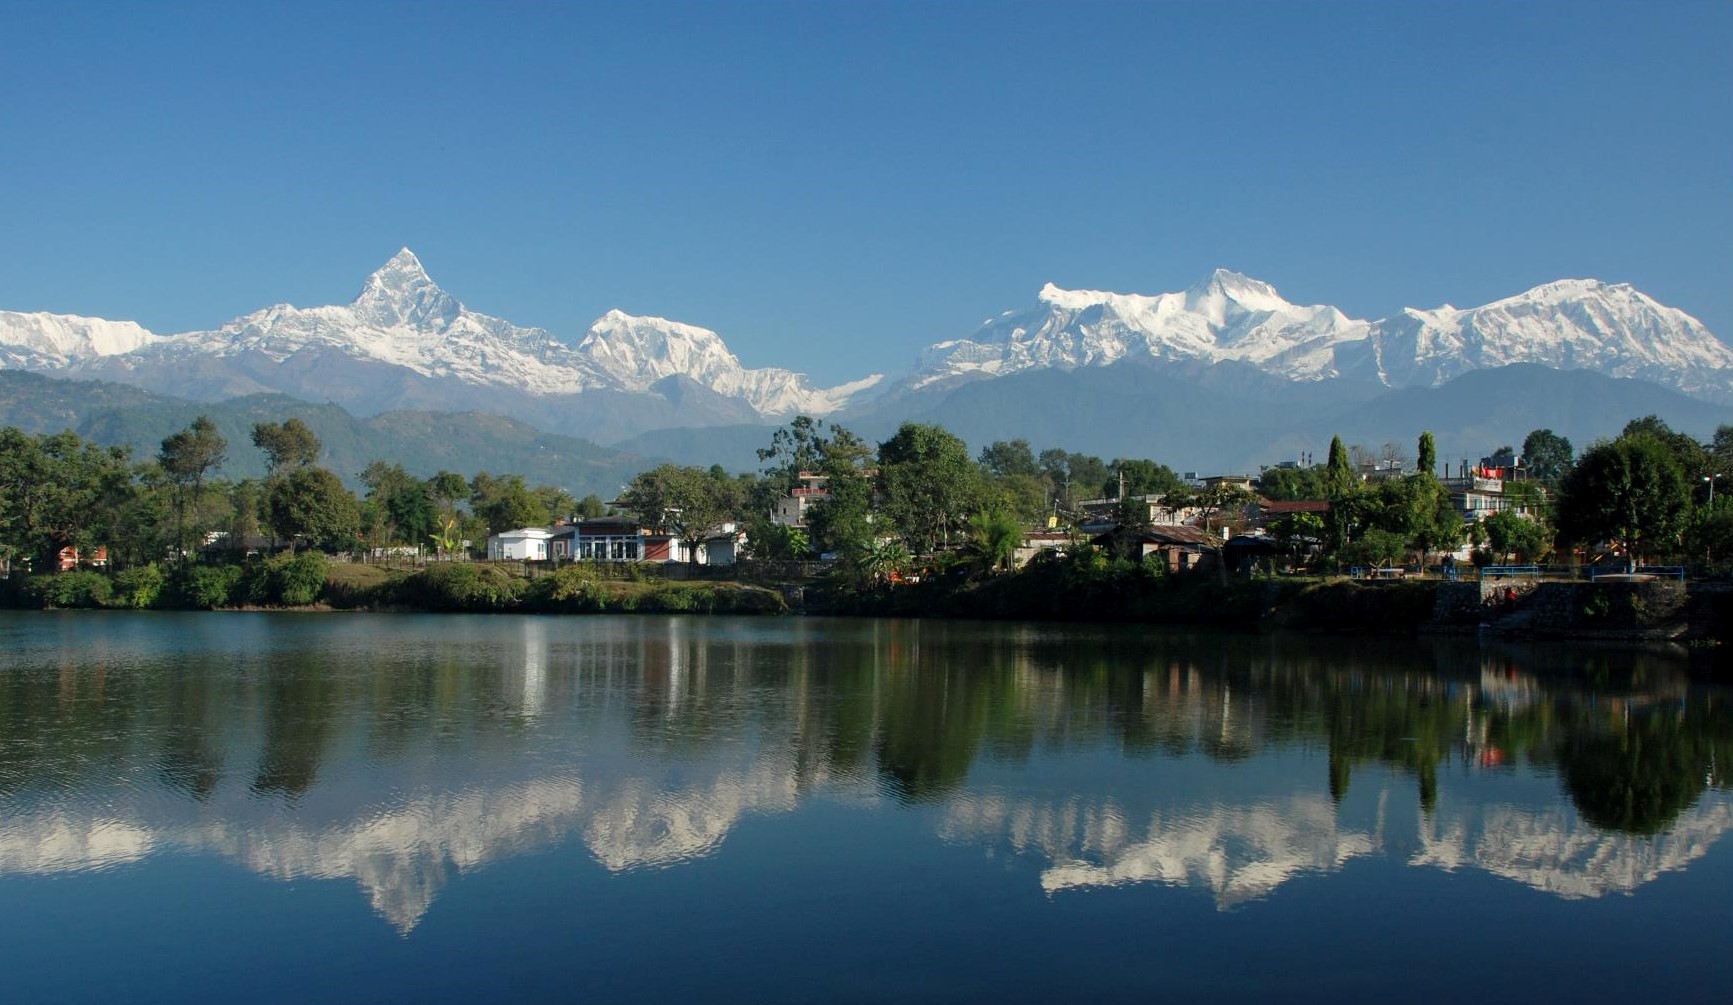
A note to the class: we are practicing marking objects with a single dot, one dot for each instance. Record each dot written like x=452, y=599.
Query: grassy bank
x=311, y=581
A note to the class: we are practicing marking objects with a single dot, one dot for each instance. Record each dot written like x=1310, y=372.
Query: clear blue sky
x=834, y=185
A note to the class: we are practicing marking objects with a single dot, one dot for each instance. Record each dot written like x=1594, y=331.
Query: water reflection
x=399, y=753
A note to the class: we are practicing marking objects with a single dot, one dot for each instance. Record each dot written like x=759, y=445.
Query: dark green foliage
x=1141, y=477
x=1630, y=491
x=1635, y=778
x=287, y=444
x=138, y=587
x=311, y=505
x=927, y=485
x=1289, y=484
x=205, y=587
x=460, y=586
x=1547, y=456
x=78, y=588
x=1426, y=458
x=506, y=503
x=286, y=580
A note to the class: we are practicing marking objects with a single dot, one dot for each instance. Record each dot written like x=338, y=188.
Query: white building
x=529, y=544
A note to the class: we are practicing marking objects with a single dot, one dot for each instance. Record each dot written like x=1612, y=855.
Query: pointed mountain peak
x=1237, y=285
x=400, y=292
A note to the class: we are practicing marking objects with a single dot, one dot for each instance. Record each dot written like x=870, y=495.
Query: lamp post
x=1710, y=478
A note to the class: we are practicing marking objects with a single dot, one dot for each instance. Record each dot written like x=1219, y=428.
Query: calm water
x=379, y=808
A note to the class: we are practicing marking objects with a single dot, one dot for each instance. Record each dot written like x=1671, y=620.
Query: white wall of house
x=524, y=544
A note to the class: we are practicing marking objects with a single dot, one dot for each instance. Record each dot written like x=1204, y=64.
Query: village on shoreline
x=1367, y=540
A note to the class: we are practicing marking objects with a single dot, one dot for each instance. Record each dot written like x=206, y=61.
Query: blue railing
x=1655, y=571
x=1510, y=571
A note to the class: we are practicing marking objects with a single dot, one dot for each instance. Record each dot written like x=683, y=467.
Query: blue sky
x=833, y=186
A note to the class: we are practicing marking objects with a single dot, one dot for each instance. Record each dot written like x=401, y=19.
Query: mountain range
x=1101, y=371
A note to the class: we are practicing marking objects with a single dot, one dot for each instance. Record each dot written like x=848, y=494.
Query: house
x=1037, y=542
x=526, y=544
x=624, y=539
x=1261, y=514
x=790, y=511
x=1180, y=547
x=600, y=539
x=1101, y=512
x=68, y=559
x=1481, y=491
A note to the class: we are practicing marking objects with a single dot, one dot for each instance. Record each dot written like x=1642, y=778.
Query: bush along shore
x=311, y=581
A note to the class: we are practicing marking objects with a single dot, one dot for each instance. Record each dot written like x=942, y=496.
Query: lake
x=304, y=807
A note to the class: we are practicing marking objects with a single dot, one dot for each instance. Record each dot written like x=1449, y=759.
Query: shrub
x=139, y=586
x=79, y=588
x=299, y=580
x=461, y=586
x=290, y=580
x=570, y=588
x=207, y=586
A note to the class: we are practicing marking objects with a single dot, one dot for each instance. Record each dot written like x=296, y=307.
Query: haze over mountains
x=1189, y=375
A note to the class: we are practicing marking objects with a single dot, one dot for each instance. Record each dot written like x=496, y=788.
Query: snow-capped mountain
x=1226, y=317
x=40, y=341
x=402, y=321
x=405, y=343
x=1570, y=324
x=639, y=351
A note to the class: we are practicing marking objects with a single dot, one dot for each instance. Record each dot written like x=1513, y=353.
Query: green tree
x=405, y=510
x=1630, y=492
x=1141, y=477
x=1547, y=456
x=591, y=506
x=991, y=540
x=1292, y=484
x=505, y=503
x=1511, y=535
x=447, y=487
x=1426, y=457
x=1004, y=459
x=56, y=492
x=288, y=444
x=313, y=505
x=186, y=458
x=686, y=502
x=928, y=484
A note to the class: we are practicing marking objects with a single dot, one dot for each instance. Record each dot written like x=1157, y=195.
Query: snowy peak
x=1226, y=316
x=40, y=340
x=400, y=292
x=640, y=351
x=1611, y=328
x=1225, y=287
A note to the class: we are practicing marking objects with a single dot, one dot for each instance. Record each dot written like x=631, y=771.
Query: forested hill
x=423, y=442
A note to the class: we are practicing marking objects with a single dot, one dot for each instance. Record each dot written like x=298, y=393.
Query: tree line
x=58, y=491
x=1649, y=492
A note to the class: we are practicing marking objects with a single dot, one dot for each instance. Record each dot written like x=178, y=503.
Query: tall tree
x=186, y=457
x=1003, y=459
x=288, y=444
x=313, y=505
x=1547, y=456
x=683, y=501
x=1630, y=492
x=928, y=484
x=1426, y=457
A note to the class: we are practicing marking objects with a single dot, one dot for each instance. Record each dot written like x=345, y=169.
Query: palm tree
x=992, y=540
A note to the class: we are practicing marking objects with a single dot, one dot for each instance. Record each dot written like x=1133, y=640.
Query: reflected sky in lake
x=347, y=798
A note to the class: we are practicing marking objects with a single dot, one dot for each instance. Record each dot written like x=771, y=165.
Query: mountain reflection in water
x=400, y=752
